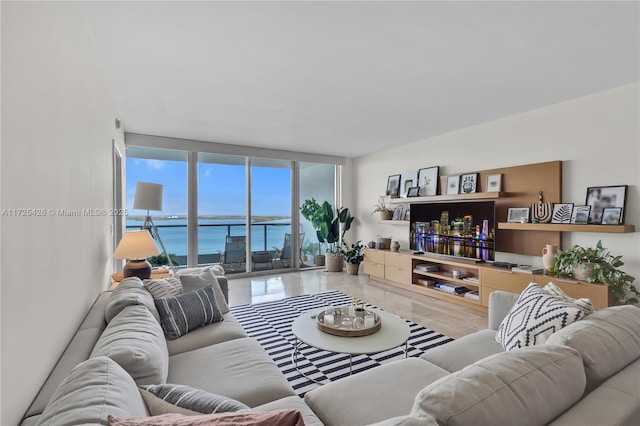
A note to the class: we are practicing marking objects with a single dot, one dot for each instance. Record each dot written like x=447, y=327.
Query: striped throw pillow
x=189, y=398
x=164, y=287
x=186, y=312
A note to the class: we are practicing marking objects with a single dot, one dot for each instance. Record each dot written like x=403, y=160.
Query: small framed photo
x=453, y=183
x=468, y=183
x=393, y=185
x=518, y=215
x=494, y=183
x=397, y=213
x=414, y=191
x=612, y=216
x=407, y=215
x=407, y=180
x=580, y=215
x=603, y=197
x=562, y=213
x=428, y=181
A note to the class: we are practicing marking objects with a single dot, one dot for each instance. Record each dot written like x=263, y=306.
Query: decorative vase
x=547, y=255
x=319, y=260
x=334, y=262
x=352, y=268
x=583, y=271
x=395, y=246
x=386, y=214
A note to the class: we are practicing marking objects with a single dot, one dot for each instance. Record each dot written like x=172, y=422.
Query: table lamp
x=136, y=246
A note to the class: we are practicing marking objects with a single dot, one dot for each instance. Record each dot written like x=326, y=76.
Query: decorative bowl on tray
x=349, y=325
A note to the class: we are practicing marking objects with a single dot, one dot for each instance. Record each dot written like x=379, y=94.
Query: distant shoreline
x=220, y=217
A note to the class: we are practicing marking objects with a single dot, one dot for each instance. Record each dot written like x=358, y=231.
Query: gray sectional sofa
x=219, y=358
x=588, y=373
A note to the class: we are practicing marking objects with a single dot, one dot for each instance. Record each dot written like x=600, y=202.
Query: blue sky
x=221, y=188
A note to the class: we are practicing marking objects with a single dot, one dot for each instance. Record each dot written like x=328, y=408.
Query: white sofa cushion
x=129, y=292
x=94, y=389
x=608, y=340
x=135, y=340
x=534, y=318
x=529, y=386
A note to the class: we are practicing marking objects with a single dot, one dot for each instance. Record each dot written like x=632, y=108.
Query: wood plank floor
x=444, y=317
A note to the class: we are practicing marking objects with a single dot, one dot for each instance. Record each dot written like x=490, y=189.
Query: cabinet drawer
x=397, y=260
x=399, y=275
x=504, y=279
x=376, y=256
x=373, y=269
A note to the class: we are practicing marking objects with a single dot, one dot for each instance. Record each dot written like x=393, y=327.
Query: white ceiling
x=350, y=78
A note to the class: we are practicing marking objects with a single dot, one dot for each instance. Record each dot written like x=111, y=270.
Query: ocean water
x=212, y=233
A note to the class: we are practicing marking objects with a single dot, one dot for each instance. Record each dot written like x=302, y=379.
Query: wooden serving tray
x=347, y=332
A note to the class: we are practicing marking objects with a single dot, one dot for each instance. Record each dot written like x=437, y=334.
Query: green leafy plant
x=330, y=227
x=604, y=266
x=161, y=260
x=309, y=248
x=353, y=253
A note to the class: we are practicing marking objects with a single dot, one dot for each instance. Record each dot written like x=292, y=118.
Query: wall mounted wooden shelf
x=559, y=227
x=438, y=198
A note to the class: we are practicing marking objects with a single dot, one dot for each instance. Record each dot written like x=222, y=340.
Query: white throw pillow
x=535, y=316
x=583, y=303
x=202, y=278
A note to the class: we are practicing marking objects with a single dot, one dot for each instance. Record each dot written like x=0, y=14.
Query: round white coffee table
x=393, y=333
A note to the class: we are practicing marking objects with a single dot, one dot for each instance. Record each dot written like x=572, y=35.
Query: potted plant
x=312, y=211
x=353, y=254
x=309, y=248
x=330, y=232
x=596, y=265
x=386, y=213
x=161, y=260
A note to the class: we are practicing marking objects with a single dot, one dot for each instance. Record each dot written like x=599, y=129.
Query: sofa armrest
x=500, y=302
x=224, y=286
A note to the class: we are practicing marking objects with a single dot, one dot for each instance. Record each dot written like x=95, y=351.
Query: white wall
x=596, y=137
x=58, y=123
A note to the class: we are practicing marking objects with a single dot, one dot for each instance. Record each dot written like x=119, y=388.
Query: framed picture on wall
x=611, y=216
x=397, y=213
x=407, y=180
x=393, y=185
x=453, y=183
x=604, y=197
x=562, y=213
x=428, y=181
x=494, y=183
x=580, y=215
x=468, y=183
x=413, y=191
x=518, y=215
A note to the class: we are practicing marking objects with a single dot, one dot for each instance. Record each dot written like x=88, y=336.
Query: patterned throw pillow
x=164, y=287
x=583, y=303
x=190, y=398
x=201, y=278
x=535, y=316
x=189, y=311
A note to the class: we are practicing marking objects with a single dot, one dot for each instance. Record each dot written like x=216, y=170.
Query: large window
x=238, y=211
x=169, y=168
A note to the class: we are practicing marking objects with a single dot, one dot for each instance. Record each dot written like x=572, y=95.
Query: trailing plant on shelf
x=380, y=206
x=596, y=265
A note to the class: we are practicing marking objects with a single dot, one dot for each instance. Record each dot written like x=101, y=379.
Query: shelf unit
x=445, y=275
x=451, y=197
x=560, y=227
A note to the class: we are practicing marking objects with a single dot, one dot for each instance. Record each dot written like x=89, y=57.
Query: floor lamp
x=149, y=197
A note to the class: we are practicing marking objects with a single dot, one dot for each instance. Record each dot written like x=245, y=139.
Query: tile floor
x=444, y=317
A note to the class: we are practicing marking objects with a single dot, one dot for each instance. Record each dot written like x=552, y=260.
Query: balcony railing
x=211, y=238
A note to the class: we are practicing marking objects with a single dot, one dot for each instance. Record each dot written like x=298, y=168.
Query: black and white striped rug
x=270, y=324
